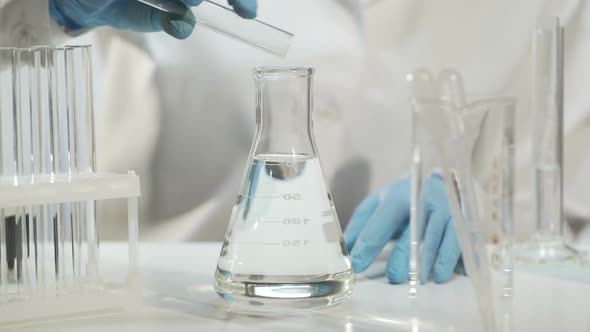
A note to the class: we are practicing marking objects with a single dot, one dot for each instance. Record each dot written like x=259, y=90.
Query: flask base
x=283, y=294
x=548, y=251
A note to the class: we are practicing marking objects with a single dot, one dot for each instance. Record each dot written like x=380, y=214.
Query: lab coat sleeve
x=27, y=23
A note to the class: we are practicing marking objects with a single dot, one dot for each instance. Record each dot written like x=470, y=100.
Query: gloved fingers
x=191, y=3
x=448, y=255
x=434, y=192
x=390, y=215
x=424, y=211
x=359, y=219
x=433, y=238
x=398, y=265
x=133, y=15
x=460, y=268
x=427, y=203
x=244, y=8
x=177, y=26
x=143, y=18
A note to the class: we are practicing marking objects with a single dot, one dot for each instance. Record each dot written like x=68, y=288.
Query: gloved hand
x=385, y=215
x=132, y=15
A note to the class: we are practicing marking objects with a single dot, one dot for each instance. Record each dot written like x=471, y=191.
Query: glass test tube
x=81, y=161
x=8, y=147
x=17, y=262
x=48, y=221
x=224, y=20
x=82, y=135
x=40, y=160
x=63, y=164
x=26, y=121
x=421, y=83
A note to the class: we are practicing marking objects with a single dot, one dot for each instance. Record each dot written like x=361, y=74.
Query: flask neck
x=283, y=113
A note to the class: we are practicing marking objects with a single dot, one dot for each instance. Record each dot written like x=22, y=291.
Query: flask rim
x=282, y=72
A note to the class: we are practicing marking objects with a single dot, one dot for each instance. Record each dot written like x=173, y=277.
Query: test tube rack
x=49, y=186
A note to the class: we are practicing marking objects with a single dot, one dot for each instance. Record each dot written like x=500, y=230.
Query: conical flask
x=283, y=248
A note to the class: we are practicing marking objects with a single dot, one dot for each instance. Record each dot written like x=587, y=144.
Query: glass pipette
x=225, y=21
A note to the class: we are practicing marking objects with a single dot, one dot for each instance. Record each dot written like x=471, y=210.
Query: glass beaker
x=283, y=249
x=470, y=150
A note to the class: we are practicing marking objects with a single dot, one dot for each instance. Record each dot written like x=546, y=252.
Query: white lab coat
x=182, y=113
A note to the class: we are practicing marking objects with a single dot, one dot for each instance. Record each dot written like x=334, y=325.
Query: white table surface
x=178, y=296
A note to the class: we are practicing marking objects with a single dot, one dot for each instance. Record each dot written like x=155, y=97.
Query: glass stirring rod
x=225, y=21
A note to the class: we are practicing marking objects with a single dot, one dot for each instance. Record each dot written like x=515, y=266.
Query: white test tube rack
x=49, y=186
x=78, y=296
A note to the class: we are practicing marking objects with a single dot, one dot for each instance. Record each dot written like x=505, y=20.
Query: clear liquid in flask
x=284, y=248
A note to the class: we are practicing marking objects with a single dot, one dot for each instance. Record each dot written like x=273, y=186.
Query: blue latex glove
x=385, y=215
x=77, y=15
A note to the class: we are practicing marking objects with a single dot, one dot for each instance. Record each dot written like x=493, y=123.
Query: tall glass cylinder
x=547, y=244
x=547, y=104
x=284, y=248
